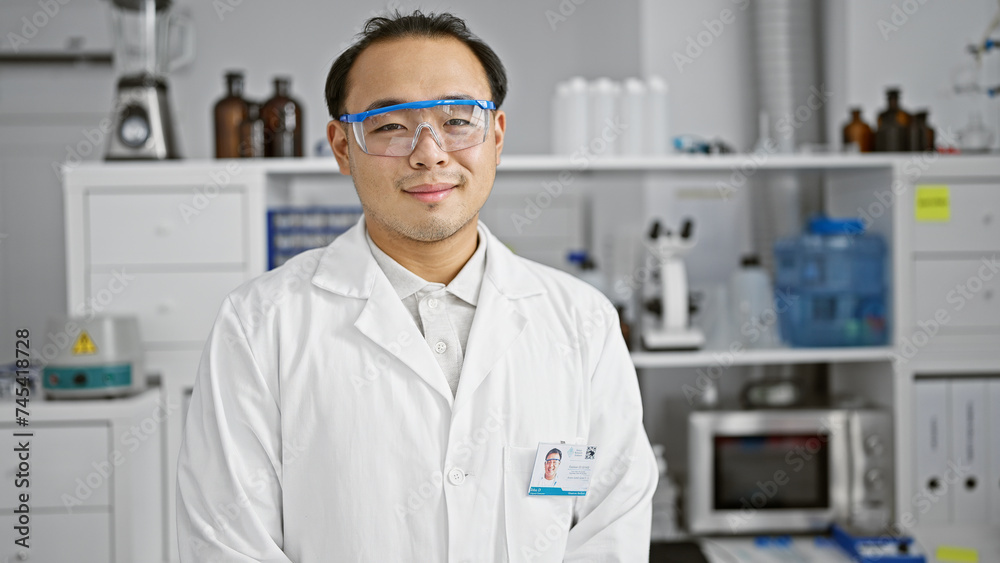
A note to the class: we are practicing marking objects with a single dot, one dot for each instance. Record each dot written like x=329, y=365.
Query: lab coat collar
x=348, y=268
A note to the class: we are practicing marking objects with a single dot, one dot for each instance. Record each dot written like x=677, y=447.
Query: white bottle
x=632, y=116
x=576, y=115
x=657, y=117
x=755, y=320
x=603, y=138
x=560, y=135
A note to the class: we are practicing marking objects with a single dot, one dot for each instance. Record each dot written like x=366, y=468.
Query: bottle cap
x=821, y=225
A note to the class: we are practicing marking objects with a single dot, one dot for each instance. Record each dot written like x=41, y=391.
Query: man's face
x=429, y=195
x=551, y=465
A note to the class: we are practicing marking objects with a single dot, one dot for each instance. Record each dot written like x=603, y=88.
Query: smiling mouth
x=430, y=193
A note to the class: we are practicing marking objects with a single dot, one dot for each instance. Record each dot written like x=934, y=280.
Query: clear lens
x=395, y=133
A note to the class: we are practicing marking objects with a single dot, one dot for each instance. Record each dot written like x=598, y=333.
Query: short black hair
x=417, y=24
x=554, y=451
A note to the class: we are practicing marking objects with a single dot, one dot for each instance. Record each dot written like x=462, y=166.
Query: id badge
x=562, y=469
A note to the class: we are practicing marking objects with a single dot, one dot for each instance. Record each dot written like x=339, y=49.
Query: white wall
x=47, y=110
x=715, y=94
x=302, y=38
x=922, y=56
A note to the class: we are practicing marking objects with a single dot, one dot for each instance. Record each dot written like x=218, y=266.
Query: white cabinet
x=189, y=232
x=95, y=478
x=165, y=242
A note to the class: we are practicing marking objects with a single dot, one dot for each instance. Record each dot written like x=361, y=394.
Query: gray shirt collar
x=465, y=285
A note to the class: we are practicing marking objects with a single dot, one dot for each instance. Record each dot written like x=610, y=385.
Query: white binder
x=969, y=420
x=993, y=484
x=932, y=502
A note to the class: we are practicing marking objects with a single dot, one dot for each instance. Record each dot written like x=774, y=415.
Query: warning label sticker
x=84, y=345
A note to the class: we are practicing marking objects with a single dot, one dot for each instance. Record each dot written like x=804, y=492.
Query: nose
x=427, y=152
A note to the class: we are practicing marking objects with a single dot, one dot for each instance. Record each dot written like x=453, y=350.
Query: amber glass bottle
x=282, y=117
x=894, y=110
x=858, y=132
x=919, y=132
x=893, y=126
x=252, y=133
x=230, y=111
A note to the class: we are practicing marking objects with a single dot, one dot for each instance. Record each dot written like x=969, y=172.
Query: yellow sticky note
x=933, y=203
x=953, y=554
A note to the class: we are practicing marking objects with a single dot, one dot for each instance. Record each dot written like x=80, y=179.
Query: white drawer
x=67, y=465
x=936, y=286
x=172, y=307
x=80, y=538
x=151, y=228
x=974, y=225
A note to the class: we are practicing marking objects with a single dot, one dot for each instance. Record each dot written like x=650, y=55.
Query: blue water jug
x=830, y=287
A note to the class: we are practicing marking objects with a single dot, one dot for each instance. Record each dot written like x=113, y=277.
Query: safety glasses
x=394, y=130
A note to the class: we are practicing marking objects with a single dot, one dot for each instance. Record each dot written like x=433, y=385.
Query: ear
x=499, y=130
x=336, y=135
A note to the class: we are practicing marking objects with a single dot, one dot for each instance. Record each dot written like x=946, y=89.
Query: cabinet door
x=973, y=226
x=80, y=538
x=68, y=466
x=968, y=290
x=179, y=227
x=171, y=306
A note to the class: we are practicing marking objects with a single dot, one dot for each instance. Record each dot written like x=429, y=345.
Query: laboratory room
x=277, y=286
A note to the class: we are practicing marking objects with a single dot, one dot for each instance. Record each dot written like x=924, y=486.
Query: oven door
x=767, y=471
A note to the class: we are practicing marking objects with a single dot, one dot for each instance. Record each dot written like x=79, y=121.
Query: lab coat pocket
x=537, y=526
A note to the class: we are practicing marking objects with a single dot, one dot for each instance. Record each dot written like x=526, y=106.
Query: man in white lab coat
x=383, y=398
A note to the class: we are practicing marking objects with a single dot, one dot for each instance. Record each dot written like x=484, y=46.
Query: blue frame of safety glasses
x=358, y=117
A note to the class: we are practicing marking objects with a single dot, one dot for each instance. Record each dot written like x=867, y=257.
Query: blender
x=143, y=127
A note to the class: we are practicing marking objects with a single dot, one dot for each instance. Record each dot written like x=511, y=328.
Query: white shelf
x=549, y=163
x=669, y=163
x=720, y=357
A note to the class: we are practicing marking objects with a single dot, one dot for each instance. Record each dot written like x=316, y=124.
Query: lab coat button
x=440, y=347
x=456, y=476
x=432, y=303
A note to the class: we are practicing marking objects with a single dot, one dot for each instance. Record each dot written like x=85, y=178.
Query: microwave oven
x=764, y=471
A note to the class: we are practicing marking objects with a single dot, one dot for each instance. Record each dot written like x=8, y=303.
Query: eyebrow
x=385, y=102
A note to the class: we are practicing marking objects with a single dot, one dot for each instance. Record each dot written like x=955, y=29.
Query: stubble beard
x=432, y=228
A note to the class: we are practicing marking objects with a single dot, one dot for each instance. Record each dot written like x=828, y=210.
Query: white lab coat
x=322, y=429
